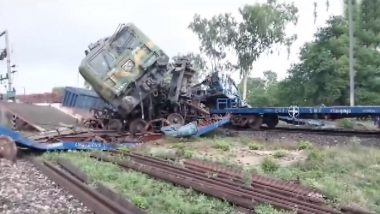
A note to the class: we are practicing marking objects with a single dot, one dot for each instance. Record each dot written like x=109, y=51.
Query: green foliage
x=213, y=35
x=280, y=154
x=345, y=174
x=222, y=145
x=262, y=27
x=268, y=209
x=262, y=92
x=255, y=146
x=183, y=152
x=268, y=165
x=321, y=77
x=124, y=149
x=345, y=123
x=140, y=202
x=304, y=145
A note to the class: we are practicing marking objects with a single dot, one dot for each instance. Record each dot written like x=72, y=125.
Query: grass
x=269, y=165
x=304, y=145
x=268, y=209
x=345, y=174
x=221, y=144
x=149, y=194
x=280, y=154
x=345, y=123
x=254, y=146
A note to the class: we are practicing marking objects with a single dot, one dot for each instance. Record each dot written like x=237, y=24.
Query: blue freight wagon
x=83, y=99
x=254, y=117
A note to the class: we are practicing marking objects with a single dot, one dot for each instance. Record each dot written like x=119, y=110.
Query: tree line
x=320, y=77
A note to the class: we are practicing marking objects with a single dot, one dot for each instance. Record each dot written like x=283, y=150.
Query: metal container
x=82, y=98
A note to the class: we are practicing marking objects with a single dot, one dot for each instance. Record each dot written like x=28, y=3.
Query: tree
x=263, y=26
x=262, y=91
x=367, y=52
x=213, y=35
x=321, y=76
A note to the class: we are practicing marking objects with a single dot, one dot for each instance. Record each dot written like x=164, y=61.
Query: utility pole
x=10, y=92
x=9, y=71
x=351, y=54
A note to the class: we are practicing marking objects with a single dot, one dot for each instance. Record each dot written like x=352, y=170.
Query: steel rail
x=148, y=165
x=95, y=201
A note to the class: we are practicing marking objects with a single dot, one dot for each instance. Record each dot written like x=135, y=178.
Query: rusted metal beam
x=95, y=201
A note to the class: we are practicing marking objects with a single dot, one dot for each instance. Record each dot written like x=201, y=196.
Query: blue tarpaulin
x=192, y=130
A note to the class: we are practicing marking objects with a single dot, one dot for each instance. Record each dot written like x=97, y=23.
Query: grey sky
x=48, y=37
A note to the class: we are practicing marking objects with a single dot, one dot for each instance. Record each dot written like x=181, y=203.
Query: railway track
x=327, y=132
x=99, y=200
x=227, y=185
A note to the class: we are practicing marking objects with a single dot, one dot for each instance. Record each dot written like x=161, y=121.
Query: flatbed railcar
x=255, y=116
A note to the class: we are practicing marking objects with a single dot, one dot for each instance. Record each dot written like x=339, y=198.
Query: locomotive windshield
x=124, y=40
x=102, y=63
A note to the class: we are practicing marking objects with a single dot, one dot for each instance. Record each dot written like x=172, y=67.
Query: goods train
x=144, y=90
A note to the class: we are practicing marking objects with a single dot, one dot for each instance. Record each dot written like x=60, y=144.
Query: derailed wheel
x=93, y=123
x=255, y=122
x=8, y=148
x=271, y=122
x=115, y=124
x=175, y=118
x=137, y=126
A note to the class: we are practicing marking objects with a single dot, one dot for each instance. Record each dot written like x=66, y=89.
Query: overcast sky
x=48, y=37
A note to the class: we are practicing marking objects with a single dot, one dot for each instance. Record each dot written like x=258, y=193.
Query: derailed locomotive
x=134, y=76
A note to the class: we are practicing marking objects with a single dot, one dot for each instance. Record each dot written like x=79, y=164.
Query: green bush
x=184, y=153
x=222, y=145
x=280, y=154
x=269, y=165
x=304, y=145
x=140, y=202
x=254, y=146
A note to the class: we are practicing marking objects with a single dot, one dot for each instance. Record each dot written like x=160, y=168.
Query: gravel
x=23, y=189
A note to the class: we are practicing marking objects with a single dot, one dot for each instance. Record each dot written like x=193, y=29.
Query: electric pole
x=10, y=94
x=351, y=54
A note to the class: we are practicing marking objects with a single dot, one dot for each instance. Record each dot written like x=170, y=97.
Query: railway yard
x=159, y=134
x=230, y=170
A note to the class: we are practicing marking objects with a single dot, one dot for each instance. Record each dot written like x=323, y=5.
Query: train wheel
x=256, y=123
x=271, y=122
x=243, y=122
x=8, y=148
x=115, y=124
x=93, y=123
x=176, y=118
x=137, y=126
x=235, y=120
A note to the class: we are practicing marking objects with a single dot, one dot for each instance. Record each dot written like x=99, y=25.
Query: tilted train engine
x=134, y=76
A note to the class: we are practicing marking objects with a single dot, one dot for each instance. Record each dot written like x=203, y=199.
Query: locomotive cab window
x=102, y=63
x=124, y=40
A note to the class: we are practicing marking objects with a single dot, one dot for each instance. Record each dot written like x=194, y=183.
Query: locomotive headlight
x=128, y=65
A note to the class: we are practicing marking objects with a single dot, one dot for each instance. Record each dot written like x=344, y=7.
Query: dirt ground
x=239, y=151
